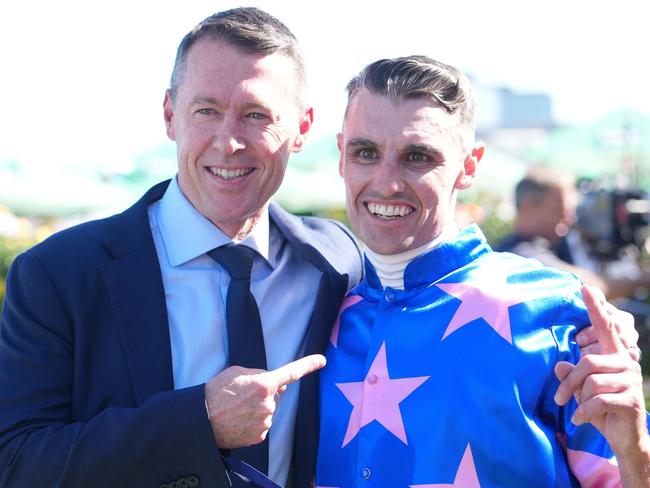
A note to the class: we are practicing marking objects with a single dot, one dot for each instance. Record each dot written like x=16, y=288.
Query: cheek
x=352, y=188
x=274, y=138
x=358, y=177
x=193, y=140
x=431, y=191
x=351, y=198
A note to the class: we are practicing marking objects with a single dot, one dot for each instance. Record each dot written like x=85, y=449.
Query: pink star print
x=466, y=476
x=489, y=299
x=378, y=398
x=347, y=302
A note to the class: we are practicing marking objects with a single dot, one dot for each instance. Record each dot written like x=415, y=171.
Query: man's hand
x=624, y=325
x=241, y=401
x=607, y=386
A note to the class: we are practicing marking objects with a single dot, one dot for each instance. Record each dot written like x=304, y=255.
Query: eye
x=206, y=111
x=367, y=153
x=257, y=116
x=417, y=157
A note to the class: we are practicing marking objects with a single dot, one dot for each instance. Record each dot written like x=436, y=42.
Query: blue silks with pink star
x=450, y=382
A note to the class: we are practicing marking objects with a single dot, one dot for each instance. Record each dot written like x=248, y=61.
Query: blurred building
x=511, y=121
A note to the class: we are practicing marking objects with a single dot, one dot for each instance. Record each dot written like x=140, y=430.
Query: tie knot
x=237, y=260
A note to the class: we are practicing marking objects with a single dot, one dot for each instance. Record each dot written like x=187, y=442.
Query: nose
x=227, y=136
x=387, y=179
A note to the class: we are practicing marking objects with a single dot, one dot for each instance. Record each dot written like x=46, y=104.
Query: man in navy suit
x=113, y=341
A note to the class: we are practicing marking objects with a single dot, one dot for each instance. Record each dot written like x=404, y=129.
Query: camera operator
x=546, y=202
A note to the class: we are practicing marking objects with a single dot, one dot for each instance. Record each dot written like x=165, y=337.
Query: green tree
x=9, y=249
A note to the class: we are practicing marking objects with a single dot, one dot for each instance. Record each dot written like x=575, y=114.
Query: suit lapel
x=331, y=291
x=135, y=286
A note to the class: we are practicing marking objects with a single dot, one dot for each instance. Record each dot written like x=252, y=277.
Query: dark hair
x=250, y=29
x=416, y=77
x=538, y=181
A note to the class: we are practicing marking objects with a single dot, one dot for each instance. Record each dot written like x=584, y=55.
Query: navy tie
x=245, y=337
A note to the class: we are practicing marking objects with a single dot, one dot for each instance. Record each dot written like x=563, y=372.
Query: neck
x=390, y=268
x=238, y=231
x=526, y=228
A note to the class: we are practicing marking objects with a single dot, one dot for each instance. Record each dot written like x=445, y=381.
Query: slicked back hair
x=418, y=77
x=250, y=29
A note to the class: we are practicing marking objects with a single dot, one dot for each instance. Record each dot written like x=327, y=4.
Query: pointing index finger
x=292, y=372
x=602, y=322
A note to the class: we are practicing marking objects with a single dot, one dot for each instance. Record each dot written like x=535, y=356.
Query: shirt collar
x=390, y=267
x=187, y=234
x=467, y=246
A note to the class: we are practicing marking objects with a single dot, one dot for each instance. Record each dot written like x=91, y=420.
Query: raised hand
x=607, y=386
x=624, y=323
x=241, y=401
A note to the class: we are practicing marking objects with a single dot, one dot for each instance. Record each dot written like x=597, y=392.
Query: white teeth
x=228, y=174
x=389, y=210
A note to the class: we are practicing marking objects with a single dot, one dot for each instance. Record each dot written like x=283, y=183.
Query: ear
x=305, y=124
x=168, y=112
x=339, y=143
x=468, y=173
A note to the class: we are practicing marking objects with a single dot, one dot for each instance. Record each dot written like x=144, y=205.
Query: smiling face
x=403, y=162
x=236, y=119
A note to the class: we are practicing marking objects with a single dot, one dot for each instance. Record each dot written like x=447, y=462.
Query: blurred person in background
x=545, y=229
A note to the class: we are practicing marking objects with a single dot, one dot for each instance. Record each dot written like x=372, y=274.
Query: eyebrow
x=208, y=100
x=258, y=106
x=355, y=143
x=425, y=148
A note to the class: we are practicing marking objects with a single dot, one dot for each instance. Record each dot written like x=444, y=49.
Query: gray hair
x=250, y=29
x=418, y=77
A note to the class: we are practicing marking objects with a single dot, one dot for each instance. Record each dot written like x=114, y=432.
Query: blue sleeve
x=588, y=454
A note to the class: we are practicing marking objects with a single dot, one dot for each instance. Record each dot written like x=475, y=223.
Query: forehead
x=382, y=118
x=220, y=64
x=559, y=195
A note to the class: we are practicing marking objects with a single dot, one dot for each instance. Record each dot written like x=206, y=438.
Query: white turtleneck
x=390, y=268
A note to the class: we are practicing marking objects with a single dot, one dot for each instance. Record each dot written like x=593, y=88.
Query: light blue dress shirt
x=284, y=286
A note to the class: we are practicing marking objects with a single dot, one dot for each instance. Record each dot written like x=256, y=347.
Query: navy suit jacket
x=86, y=390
